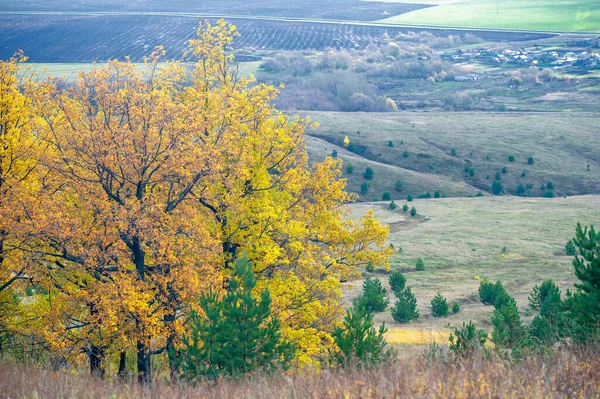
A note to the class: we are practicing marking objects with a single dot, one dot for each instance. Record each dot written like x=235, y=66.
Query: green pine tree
x=358, y=341
x=420, y=265
x=541, y=292
x=397, y=282
x=439, y=306
x=374, y=296
x=405, y=308
x=584, y=304
x=467, y=340
x=235, y=334
x=508, y=329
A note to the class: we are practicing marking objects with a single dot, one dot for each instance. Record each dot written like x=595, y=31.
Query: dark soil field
x=353, y=10
x=87, y=38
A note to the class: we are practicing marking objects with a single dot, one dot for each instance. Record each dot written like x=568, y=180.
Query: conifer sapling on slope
x=467, y=340
x=405, y=308
x=358, y=341
x=439, y=306
x=397, y=282
x=508, y=329
x=420, y=265
x=584, y=305
x=374, y=296
x=237, y=333
x=541, y=292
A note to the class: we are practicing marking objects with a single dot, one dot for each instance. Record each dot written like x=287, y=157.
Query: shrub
x=349, y=169
x=541, y=292
x=479, y=194
x=511, y=158
x=467, y=340
x=368, y=173
x=455, y=307
x=393, y=205
x=420, y=265
x=570, y=248
x=548, y=194
x=409, y=198
x=437, y=194
x=398, y=186
x=364, y=188
x=413, y=211
x=439, y=306
x=497, y=188
x=386, y=196
x=453, y=151
x=390, y=143
x=334, y=154
x=240, y=317
x=405, y=208
x=359, y=343
x=405, y=308
x=523, y=173
x=490, y=293
x=397, y=282
x=405, y=154
x=374, y=296
x=530, y=160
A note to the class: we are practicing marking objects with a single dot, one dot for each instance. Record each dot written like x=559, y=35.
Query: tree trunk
x=95, y=356
x=122, y=373
x=143, y=363
x=173, y=356
x=3, y=235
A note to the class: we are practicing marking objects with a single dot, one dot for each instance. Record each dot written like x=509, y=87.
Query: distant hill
x=562, y=146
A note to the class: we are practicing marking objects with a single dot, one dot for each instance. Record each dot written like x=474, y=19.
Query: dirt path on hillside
x=404, y=225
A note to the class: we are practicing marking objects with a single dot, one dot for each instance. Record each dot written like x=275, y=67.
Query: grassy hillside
x=561, y=144
x=565, y=15
x=386, y=175
x=460, y=239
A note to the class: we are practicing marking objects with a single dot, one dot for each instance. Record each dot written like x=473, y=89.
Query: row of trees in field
x=127, y=196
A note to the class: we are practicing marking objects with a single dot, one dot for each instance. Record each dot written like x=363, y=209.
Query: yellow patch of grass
x=412, y=337
x=513, y=257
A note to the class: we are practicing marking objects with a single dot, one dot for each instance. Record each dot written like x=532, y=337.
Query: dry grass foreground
x=564, y=374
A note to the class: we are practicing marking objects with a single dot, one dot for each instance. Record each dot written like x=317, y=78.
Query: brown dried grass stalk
x=572, y=374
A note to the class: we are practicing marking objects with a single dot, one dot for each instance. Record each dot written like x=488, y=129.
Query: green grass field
x=462, y=238
x=69, y=71
x=562, y=144
x=561, y=15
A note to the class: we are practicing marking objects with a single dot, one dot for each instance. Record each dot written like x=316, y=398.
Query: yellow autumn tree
x=19, y=150
x=155, y=181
